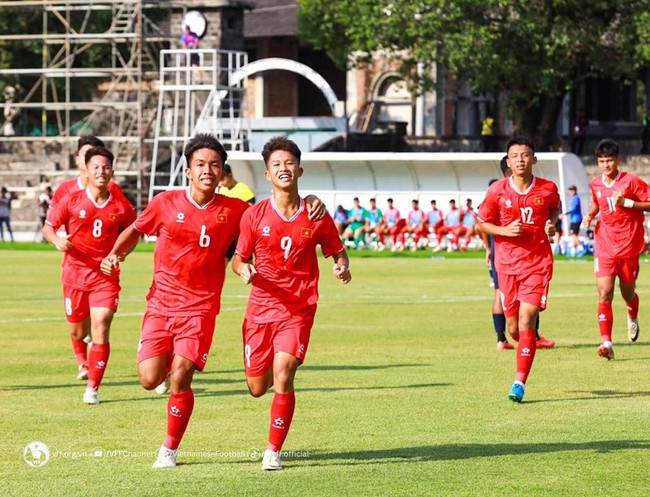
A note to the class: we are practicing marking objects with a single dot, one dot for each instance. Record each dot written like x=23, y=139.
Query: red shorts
x=627, y=269
x=187, y=336
x=262, y=341
x=77, y=303
x=530, y=288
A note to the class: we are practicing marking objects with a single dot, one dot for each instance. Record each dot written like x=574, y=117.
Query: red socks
x=179, y=411
x=80, y=350
x=633, y=307
x=282, y=410
x=606, y=320
x=97, y=361
x=525, y=354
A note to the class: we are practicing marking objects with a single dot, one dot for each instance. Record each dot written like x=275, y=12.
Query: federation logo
x=538, y=201
x=266, y=231
x=36, y=454
x=305, y=232
x=112, y=217
x=82, y=214
x=222, y=218
x=180, y=217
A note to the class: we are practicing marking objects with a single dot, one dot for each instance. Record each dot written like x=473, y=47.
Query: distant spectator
x=358, y=217
x=468, y=226
x=579, y=132
x=487, y=134
x=232, y=188
x=451, y=226
x=341, y=219
x=575, y=215
x=391, y=225
x=414, y=224
x=190, y=41
x=44, y=201
x=5, y=213
x=434, y=222
x=375, y=218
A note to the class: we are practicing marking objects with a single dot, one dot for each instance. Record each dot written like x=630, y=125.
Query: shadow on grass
x=452, y=452
x=355, y=367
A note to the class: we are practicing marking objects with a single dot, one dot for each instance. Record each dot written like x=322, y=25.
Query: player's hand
x=62, y=243
x=247, y=273
x=586, y=221
x=315, y=208
x=488, y=256
x=514, y=229
x=549, y=227
x=109, y=264
x=342, y=273
x=618, y=198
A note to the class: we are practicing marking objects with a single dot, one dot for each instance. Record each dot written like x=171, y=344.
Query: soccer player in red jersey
x=284, y=277
x=194, y=229
x=93, y=219
x=620, y=198
x=80, y=332
x=521, y=212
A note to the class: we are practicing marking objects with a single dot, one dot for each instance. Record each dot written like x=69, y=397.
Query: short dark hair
x=607, y=148
x=280, y=143
x=415, y=200
x=103, y=151
x=492, y=181
x=503, y=164
x=373, y=199
x=389, y=200
x=226, y=168
x=434, y=202
x=520, y=140
x=89, y=140
x=452, y=201
x=204, y=140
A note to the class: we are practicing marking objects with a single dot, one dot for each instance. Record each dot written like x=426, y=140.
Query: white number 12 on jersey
x=285, y=244
x=526, y=215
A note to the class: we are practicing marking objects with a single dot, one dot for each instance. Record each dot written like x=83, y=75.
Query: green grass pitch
x=403, y=393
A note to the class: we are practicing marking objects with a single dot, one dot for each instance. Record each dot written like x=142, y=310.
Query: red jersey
x=190, y=254
x=503, y=204
x=93, y=229
x=285, y=259
x=74, y=185
x=415, y=218
x=619, y=231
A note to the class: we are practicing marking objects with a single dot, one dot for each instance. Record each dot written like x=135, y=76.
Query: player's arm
x=60, y=242
x=243, y=268
x=342, y=267
x=620, y=200
x=511, y=230
x=124, y=245
x=553, y=217
x=315, y=207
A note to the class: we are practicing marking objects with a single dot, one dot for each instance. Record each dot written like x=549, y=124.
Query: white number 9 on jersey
x=285, y=244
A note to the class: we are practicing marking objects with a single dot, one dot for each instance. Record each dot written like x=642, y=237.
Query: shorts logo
x=82, y=214
x=266, y=231
x=301, y=349
x=117, y=301
x=508, y=204
x=222, y=218
x=543, y=299
x=139, y=345
x=525, y=352
x=175, y=411
x=204, y=358
x=278, y=423
x=305, y=232
x=180, y=217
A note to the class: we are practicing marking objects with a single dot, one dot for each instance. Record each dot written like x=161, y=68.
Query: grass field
x=403, y=393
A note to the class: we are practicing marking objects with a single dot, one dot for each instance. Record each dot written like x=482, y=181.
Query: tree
x=533, y=51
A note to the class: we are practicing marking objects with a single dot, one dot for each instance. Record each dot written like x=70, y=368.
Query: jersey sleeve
x=329, y=237
x=149, y=222
x=641, y=189
x=488, y=212
x=246, y=241
x=129, y=214
x=57, y=215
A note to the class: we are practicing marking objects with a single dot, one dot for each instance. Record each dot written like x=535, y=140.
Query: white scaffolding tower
x=195, y=99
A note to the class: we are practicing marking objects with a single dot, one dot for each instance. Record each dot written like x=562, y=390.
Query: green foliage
x=402, y=393
x=535, y=51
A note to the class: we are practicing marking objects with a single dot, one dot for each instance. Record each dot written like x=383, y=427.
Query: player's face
x=80, y=158
x=609, y=166
x=521, y=160
x=205, y=170
x=283, y=170
x=99, y=171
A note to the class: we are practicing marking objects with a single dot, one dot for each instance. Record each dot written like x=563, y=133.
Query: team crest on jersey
x=82, y=214
x=222, y=218
x=180, y=217
x=112, y=217
x=266, y=231
x=305, y=232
